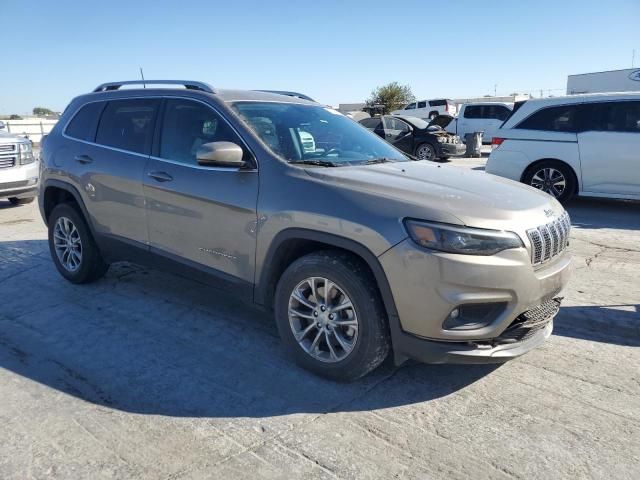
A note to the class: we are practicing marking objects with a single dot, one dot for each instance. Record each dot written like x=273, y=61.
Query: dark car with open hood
x=417, y=137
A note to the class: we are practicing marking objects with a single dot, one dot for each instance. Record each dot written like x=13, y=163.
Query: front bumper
x=452, y=149
x=430, y=351
x=20, y=181
x=427, y=286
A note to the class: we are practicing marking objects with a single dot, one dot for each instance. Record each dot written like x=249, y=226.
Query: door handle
x=83, y=159
x=160, y=176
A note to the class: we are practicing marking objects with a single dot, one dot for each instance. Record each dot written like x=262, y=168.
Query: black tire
x=433, y=115
x=532, y=175
x=21, y=201
x=351, y=275
x=92, y=266
x=426, y=145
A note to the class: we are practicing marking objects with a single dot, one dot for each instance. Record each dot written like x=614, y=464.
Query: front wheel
x=552, y=177
x=426, y=151
x=330, y=316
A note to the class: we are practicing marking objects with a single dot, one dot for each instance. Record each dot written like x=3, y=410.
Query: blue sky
x=335, y=51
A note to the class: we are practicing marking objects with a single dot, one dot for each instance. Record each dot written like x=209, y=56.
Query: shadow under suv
x=358, y=250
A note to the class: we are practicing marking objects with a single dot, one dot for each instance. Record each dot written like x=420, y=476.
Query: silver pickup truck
x=18, y=169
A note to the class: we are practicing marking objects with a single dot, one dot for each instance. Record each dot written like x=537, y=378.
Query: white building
x=627, y=80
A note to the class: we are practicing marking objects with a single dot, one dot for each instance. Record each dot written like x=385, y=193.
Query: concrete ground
x=147, y=375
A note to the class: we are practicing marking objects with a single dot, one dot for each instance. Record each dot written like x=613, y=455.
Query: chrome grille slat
x=7, y=162
x=8, y=148
x=548, y=241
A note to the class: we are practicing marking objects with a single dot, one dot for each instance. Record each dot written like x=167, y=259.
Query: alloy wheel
x=549, y=180
x=67, y=244
x=425, y=152
x=323, y=319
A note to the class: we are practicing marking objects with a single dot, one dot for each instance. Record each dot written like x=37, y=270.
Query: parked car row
x=357, y=249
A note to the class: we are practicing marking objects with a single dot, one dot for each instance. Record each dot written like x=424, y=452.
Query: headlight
x=25, y=153
x=467, y=241
x=442, y=139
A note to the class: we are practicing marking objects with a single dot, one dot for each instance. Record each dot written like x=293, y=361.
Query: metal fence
x=34, y=129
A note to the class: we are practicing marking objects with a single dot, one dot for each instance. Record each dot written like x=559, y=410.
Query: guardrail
x=34, y=129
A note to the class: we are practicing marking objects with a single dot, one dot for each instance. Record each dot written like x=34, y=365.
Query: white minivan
x=576, y=145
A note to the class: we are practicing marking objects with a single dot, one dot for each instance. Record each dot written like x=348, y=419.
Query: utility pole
x=144, y=85
x=633, y=58
x=495, y=89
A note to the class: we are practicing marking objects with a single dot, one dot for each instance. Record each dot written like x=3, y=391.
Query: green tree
x=15, y=117
x=391, y=97
x=41, y=111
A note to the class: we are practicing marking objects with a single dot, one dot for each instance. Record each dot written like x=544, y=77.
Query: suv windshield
x=314, y=134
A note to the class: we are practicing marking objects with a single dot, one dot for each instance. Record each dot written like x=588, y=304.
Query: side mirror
x=220, y=154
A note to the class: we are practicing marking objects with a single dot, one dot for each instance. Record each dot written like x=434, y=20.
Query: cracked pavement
x=147, y=375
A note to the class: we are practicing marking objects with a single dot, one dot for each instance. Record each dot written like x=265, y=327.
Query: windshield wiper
x=320, y=163
x=378, y=160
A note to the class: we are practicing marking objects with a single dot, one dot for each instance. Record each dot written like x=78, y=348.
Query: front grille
x=7, y=162
x=549, y=240
x=530, y=322
x=12, y=185
x=8, y=148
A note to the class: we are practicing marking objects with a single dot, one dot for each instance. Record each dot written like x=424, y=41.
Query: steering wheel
x=330, y=151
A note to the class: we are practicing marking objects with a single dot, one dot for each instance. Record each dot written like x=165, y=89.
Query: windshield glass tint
x=307, y=132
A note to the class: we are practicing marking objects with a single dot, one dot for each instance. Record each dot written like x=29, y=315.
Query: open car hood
x=441, y=121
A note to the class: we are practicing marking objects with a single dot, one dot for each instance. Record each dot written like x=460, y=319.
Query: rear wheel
x=21, y=201
x=552, y=177
x=330, y=316
x=73, y=249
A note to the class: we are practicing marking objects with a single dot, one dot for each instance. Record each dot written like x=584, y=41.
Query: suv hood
x=11, y=138
x=448, y=194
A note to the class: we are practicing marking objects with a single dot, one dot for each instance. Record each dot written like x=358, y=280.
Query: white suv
x=577, y=145
x=428, y=109
x=18, y=169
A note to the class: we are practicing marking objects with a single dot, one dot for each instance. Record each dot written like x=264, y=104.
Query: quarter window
x=128, y=124
x=553, y=119
x=371, y=123
x=84, y=123
x=188, y=125
x=438, y=103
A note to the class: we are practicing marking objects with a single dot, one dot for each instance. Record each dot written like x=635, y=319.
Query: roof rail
x=289, y=94
x=188, y=84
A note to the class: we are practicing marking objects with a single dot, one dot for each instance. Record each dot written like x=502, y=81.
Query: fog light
x=473, y=316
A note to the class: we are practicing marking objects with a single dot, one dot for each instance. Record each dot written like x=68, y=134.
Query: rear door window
x=613, y=117
x=128, y=124
x=422, y=104
x=553, y=119
x=84, y=123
